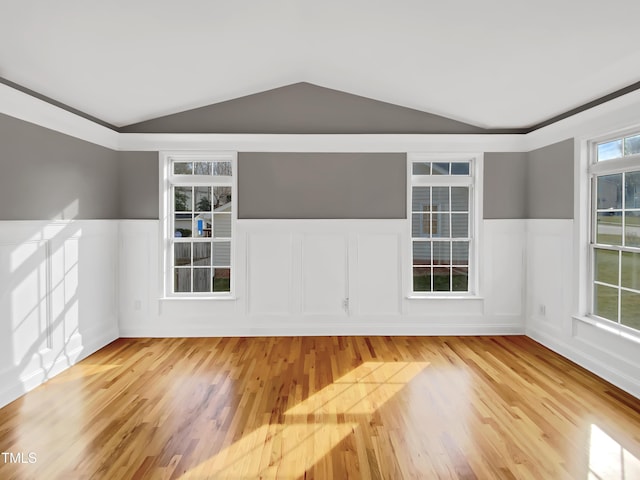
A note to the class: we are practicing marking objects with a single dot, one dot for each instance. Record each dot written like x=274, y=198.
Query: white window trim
x=586, y=168
x=476, y=213
x=165, y=233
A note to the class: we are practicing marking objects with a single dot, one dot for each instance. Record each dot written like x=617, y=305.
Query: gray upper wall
x=47, y=175
x=303, y=108
x=505, y=182
x=550, y=178
x=322, y=185
x=138, y=181
x=516, y=185
x=536, y=184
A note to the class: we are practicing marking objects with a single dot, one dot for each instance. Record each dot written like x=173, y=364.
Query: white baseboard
x=605, y=371
x=289, y=329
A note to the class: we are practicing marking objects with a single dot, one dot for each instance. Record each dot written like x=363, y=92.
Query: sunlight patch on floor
x=361, y=391
x=289, y=449
x=80, y=371
x=608, y=460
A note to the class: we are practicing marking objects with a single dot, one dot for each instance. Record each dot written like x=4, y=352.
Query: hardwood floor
x=322, y=408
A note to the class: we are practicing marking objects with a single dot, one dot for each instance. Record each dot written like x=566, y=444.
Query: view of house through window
x=201, y=226
x=616, y=231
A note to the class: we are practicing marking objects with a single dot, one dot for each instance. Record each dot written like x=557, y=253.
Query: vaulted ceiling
x=490, y=63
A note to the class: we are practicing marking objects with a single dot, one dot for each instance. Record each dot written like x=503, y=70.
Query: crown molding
x=620, y=113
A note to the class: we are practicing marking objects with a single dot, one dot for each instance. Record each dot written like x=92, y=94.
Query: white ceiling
x=492, y=63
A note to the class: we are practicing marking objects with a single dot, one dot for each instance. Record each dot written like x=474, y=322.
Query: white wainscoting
x=58, y=298
x=551, y=287
x=322, y=277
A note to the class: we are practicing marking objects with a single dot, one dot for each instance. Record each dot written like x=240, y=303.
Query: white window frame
x=474, y=181
x=595, y=169
x=167, y=180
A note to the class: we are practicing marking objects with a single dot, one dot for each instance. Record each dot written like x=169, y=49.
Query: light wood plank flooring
x=323, y=408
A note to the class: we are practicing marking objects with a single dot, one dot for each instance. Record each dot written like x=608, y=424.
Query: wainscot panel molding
x=320, y=277
x=58, y=300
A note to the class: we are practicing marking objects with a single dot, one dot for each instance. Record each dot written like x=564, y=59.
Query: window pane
x=222, y=199
x=221, y=254
x=440, y=225
x=421, y=199
x=222, y=225
x=421, y=253
x=459, y=225
x=201, y=279
x=609, y=228
x=606, y=266
x=630, y=309
x=460, y=253
x=459, y=168
x=182, y=254
x=440, y=168
x=183, y=224
x=221, y=279
x=609, y=150
x=182, y=280
x=422, y=168
x=222, y=169
x=442, y=279
x=202, y=199
x=460, y=199
x=420, y=226
x=610, y=192
x=182, y=199
x=441, y=253
x=632, y=145
x=632, y=229
x=460, y=279
x=203, y=225
x=182, y=168
x=440, y=199
x=422, y=279
x=202, y=254
x=606, y=302
x=632, y=190
x=202, y=168
x=631, y=270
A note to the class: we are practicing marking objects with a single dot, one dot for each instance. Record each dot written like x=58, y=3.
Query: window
x=200, y=196
x=441, y=203
x=615, y=233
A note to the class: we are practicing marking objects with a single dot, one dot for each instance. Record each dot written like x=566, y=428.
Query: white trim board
x=287, y=328
x=23, y=106
x=615, y=114
x=251, y=142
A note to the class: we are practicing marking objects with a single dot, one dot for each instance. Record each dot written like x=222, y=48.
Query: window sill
x=612, y=328
x=191, y=299
x=444, y=297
